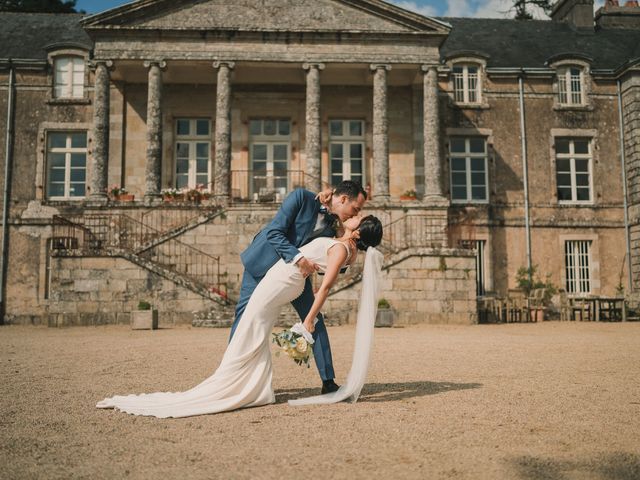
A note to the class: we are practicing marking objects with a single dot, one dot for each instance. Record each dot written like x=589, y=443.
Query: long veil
x=350, y=390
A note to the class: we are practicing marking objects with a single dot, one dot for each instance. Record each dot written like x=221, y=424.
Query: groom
x=301, y=218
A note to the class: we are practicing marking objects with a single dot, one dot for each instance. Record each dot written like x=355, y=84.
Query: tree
x=522, y=10
x=39, y=6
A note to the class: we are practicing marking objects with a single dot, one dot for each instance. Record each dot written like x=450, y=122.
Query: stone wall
x=422, y=285
x=97, y=291
x=631, y=121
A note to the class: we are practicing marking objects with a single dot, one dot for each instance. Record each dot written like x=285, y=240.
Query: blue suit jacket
x=288, y=231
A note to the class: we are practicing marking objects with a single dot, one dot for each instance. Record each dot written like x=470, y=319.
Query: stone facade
x=390, y=72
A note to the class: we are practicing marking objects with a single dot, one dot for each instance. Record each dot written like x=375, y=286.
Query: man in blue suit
x=301, y=218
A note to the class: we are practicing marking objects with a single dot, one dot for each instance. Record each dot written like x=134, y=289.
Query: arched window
x=571, y=85
x=69, y=76
x=466, y=83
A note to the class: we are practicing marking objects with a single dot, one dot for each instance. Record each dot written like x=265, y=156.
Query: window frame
x=565, y=81
x=572, y=156
x=562, y=66
x=69, y=52
x=270, y=141
x=468, y=155
x=466, y=89
x=346, y=140
x=575, y=278
x=192, y=139
x=68, y=150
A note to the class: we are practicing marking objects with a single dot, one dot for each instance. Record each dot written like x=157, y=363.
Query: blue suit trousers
x=302, y=305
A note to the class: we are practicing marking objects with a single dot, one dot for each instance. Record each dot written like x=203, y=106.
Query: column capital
x=380, y=66
x=309, y=66
x=224, y=63
x=426, y=68
x=157, y=63
x=94, y=64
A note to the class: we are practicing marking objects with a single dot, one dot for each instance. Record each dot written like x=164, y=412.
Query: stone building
x=507, y=133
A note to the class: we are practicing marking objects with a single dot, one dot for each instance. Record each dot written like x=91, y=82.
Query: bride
x=243, y=378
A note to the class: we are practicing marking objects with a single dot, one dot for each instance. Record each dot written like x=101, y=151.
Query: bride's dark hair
x=370, y=233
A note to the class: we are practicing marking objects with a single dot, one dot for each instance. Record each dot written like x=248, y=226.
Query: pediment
x=266, y=15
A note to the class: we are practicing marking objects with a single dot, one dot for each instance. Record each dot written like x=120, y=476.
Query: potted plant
x=386, y=315
x=145, y=317
x=120, y=194
x=409, y=195
x=528, y=281
x=171, y=195
x=197, y=194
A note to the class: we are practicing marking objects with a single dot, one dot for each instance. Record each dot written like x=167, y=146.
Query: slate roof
x=25, y=35
x=506, y=43
x=529, y=44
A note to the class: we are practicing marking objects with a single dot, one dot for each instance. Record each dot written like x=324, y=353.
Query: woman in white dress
x=243, y=378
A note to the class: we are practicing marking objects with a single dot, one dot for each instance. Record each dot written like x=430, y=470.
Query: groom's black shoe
x=329, y=386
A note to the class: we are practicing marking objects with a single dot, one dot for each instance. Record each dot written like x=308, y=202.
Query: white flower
x=301, y=345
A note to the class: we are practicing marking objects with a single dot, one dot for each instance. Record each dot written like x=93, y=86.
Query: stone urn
x=386, y=315
x=145, y=318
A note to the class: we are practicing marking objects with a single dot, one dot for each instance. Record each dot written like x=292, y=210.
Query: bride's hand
x=324, y=197
x=309, y=325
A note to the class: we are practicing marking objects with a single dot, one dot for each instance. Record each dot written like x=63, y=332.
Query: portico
x=216, y=93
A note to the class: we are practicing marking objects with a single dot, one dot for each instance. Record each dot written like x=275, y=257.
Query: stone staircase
x=155, y=247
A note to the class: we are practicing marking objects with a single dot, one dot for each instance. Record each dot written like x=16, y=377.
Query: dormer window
x=466, y=83
x=68, y=80
x=571, y=85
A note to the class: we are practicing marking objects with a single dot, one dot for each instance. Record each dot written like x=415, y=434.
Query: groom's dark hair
x=351, y=189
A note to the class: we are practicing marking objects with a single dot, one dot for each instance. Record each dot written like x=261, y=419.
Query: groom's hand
x=307, y=267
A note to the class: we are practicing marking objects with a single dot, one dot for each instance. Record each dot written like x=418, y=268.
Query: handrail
x=170, y=252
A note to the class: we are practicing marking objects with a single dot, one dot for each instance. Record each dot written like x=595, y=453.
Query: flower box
x=125, y=197
x=173, y=198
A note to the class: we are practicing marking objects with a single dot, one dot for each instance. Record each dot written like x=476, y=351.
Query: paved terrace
x=527, y=401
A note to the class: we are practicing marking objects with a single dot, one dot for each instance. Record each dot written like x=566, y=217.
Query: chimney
x=577, y=13
x=614, y=15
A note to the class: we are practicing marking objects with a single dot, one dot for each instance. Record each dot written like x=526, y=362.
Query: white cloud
x=426, y=10
x=474, y=8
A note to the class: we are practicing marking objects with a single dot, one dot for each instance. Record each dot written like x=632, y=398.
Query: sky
x=442, y=8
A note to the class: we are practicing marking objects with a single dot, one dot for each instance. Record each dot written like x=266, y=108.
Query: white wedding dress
x=243, y=378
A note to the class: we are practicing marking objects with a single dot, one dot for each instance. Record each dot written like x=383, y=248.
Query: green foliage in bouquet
x=295, y=346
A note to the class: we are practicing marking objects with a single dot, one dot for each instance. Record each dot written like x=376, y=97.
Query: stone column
x=99, y=160
x=153, y=170
x=432, y=141
x=222, y=165
x=313, y=140
x=380, y=133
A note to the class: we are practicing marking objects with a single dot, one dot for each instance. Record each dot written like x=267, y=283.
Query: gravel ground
x=532, y=401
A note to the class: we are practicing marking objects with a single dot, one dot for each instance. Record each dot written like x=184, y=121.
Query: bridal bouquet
x=296, y=343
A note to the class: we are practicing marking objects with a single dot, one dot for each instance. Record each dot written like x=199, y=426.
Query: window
x=577, y=259
x=468, y=160
x=466, y=83
x=270, y=155
x=69, y=77
x=66, y=165
x=346, y=147
x=570, y=82
x=193, y=152
x=573, y=170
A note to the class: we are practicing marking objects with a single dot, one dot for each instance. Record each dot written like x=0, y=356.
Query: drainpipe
x=8, y=160
x=525, y=174
x=623, y=162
